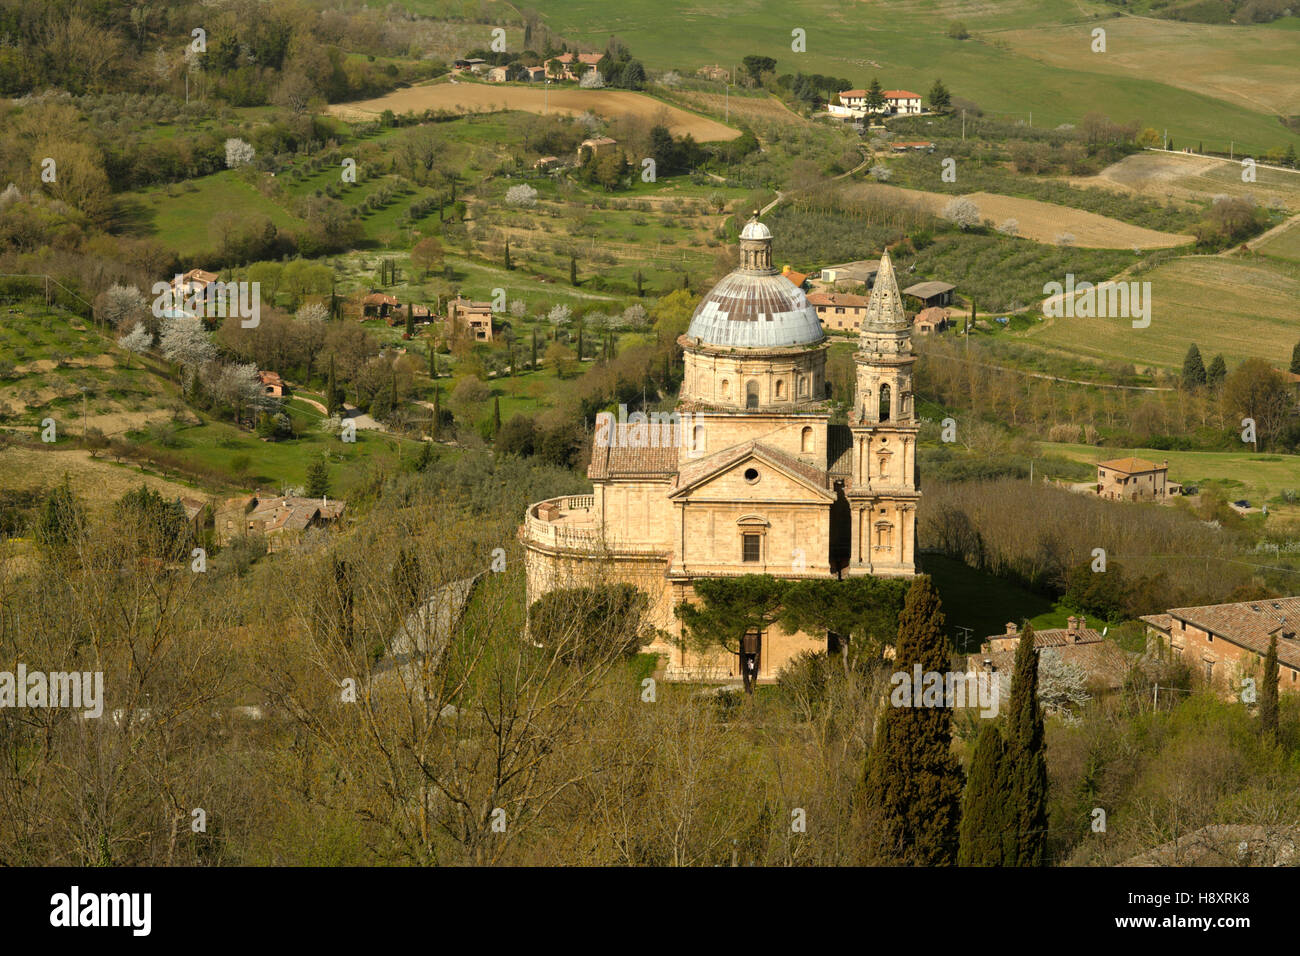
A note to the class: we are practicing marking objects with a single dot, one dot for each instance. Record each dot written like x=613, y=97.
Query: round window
x=751, y=475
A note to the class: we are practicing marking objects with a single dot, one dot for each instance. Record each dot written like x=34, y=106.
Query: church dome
x=755, y=306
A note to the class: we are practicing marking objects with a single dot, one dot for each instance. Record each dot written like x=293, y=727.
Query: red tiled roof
x=1130, y=466
x=1249, y=624
x=856, y=94
x=901, y=95
x=840, y=299
x=798, y=278
x=630, y=450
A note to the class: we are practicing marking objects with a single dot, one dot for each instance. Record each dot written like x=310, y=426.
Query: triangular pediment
x=778, y=476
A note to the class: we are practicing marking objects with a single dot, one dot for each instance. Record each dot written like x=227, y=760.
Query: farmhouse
x=855, y=273
x=920, y=146
x=279, y=519
x=714, y=72
x=474, y=317
x=497, y=74
x=597, y=145
x=852, y=103
x=930, y=294
x=193, y=283
x=1132, y=479
x=927, y=321
x=839, y=310
x=378, y=305
x=1226, y=642
x=546, y=163
x=473, y=65
x=533, y=74
x=756, y=478
x=272, y=384
x=1104, y=664
x=902, y=102
x=573, y=65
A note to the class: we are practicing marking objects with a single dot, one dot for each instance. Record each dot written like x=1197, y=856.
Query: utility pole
x=1031, y=119
x=1166, y=146
x=726, y=99
x=963, y=126
x=1231, y=144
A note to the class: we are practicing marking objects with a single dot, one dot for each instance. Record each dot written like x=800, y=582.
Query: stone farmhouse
x=573, y=65
x=474, y=318
x=1133, y=479
x=749, y=475
x=1104, y=664
x=839, y=310
x=279, y=519
x=1226, y=642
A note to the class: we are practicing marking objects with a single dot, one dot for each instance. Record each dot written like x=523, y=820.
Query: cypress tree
x=1268, y=693
x=913, y=781
x=331, y=392
x=318, y=478
x=410, y=320
x=640, y=292
x=1217, y=372
x=1193, y=368
x=433, y=361
x=533, y=364
x=509, y=264
x=579, y=343
x=573, y=270
x=437, y=411
x=985, y=821
x=1295, y=359
x=1027, y=757
x=496, y=415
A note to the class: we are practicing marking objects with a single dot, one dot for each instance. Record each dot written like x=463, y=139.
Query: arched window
x=803, y=384
x=726, y=389
x=697, y=439
x=806, y=439
x=780, y=388
x=751, y=394
x=884, y=403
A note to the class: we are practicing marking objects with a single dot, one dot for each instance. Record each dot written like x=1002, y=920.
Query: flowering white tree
x=559, y=315
x=592, y=80
x=881, y=174
x=521, y=195
x=137, y=341
x=1009, y=227
x=185, y=341
x=238, y=153
x=123, y=306
x=313, y=311
x=1065, y=239
x=518, y=308
x=238, y=386
x=1062, y=684
x=635, y=315
x=962, y=213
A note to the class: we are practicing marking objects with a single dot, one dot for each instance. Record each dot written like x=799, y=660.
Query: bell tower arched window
x=751, y=394
x=884, y=403
x=806, y=439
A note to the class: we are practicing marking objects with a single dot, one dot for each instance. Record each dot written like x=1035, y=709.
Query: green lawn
x=1259, y=478
x=907, y=38
x=985, y=603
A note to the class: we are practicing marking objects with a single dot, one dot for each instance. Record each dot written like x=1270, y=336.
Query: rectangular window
x=752, y=547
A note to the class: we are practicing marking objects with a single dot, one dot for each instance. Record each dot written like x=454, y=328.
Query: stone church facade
x=754, y=479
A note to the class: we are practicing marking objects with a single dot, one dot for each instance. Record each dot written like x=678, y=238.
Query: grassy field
x=904, y=43
x=1253, y=68
x=1239, y=307
x=1040, y=221
x=1259, y=478
x=985, y=603
x=567, y=100
x=180, y=217
x=1284, y=244
x=96, y=481
x=1173, y=176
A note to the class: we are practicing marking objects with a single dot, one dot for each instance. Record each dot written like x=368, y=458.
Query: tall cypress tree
x=1217, y=372
x=410, y=320
x=573, y=270
x=437, y=411
x=579, y=342
x=496, y=415
x=433, y=361
x=987, y=836
x=331, y=392
x=1027, y=757
x=1295, y=359
x=1268, y=693
x=533, y=364
x=1193, y=368
x=509, y=264
x=913, y=781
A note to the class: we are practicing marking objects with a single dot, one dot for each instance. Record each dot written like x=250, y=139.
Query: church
x=755, y=479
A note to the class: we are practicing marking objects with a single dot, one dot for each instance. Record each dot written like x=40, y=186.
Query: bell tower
x=884, y=493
